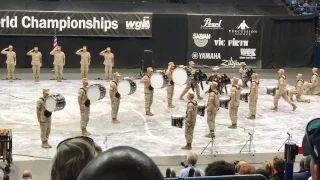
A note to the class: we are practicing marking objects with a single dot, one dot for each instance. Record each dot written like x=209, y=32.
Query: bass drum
x=180, y=76
x=127, y=87
x=55, y=102
x=159, y=80
x=96, y=92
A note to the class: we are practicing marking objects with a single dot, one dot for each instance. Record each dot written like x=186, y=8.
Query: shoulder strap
x=238, y=88
x=42, y=98
x=301, y=80
x=284, y=77
x=316, y=75
x=84, y=90
x=148, y=76
x=115, y=82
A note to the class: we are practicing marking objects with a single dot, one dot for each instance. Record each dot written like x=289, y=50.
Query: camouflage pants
x=211, y=120
x=170, y=92
x=10, y=67
x=45, y=127
x=278, y=95
x=84, y=71
x=84, y=117
x=187, y=88
x=298, y=96
x=148, y=98
x=58, y=69
x=115, y=107
x=233, y=113
x=253, y=105
x=108, y=71
x=189, y=131
x=36, y=70
x=313, y=91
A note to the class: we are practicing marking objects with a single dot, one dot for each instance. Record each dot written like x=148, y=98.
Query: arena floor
x=153, y=135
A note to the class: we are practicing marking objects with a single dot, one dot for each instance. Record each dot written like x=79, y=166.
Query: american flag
x=55, y=40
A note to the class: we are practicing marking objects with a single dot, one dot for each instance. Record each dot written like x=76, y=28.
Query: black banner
x=224, y=40
x=75, y=24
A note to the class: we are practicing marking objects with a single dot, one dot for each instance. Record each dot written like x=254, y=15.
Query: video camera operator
x=191, y=162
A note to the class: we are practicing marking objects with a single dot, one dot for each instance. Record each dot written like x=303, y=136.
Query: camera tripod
x=250, y=141
x=213, y=146
x=286, y=141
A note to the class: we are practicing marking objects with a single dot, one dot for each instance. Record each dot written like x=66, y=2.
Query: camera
x=183, y=164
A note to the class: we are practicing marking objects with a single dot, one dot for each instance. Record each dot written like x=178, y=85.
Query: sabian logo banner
x=247, y=53
x=139, y=25
x=201, y=40
x=211, y=25
x=231, y=63
x=196, y=55
x=243, y=30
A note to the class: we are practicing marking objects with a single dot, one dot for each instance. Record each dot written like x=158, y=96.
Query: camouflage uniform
x=82, y=93
x=45, y=122
x=213, y=96
x=148, y=94
x=108, y=64
x=278, y=95
x=115, y=101
x=253, y=99
x=315, y=77
x=233, y=110
x=11, y=56
x=170, y=87
x=36, y=64
x=295, y=92
x=192, y=111
x=85, y=60
x=195, y=85
x=58, y=63
x=214, y=78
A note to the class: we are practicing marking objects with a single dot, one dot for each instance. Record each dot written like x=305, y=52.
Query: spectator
x=194, y=172
x=302, y=161
x=220, y=168
x=279, y=166
x=3, y=174
x=191, y=162
x=241, y=162
x=247, y=169
x=264, y=172
x=170, y=173
x=27, y=175
x=305, y=173
x=305, y=9
x=268, y=165
x=71, y=157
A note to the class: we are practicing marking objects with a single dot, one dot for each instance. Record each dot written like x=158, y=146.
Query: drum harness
x=117, y=94
x=87, y=102
x=301, y=80
x=171, y=81
x=194, y=102
x=284, y=77
x=216, y=93
x=46, y=113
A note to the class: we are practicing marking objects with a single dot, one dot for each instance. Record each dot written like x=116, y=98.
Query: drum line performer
x=85, y=61
x=58, y=62
x=44, y=119
x=298, y=90
x=84, y=104
x=242, y=73
x=313, y=83
x=148, y=90
x=234, y=102
x=215, y=77
x=11, y=61
x=253, y=97
x=115, y=98
x=191, y=118
x=108, y=62
x=282, y=91
x=213, y=108
x=170, y=86
x=36, y=62
x=188, y=86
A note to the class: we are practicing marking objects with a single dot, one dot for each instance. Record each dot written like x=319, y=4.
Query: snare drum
x=55, y=102
x=159, y=80
x=271, y=90
x=177, y=121
x=127, y=87
x=96, y=92
x=201, y=109
x=244, y=96
x=180, y=76
x=224, y=101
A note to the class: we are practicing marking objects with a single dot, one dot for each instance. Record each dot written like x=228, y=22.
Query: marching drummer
x=192, y=108
x=298, y=90
x=148, y=91
x=234, y=102
x=242, y=73
x=195, y=85
x=58, y=62
x=44, y=119
x=84, y=104
x=108, y=62
x=215, y=77
x=114, y=97
x=213, y=107
x=11, y=61
x=36, y=62
x=170, y=87
x=253, y=98
x=85, y=61
x=282, y=91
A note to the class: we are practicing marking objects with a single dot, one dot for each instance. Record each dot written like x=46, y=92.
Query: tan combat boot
x=181, y=98
x=200, y=98
x=115, y=121
x=149, y=113
x=252, y=117
x=187, y=147
x=85, y=132
x=294, y=107
x=170, y=105
x=233, y=126
x=210, y=135
x=10, y=80
x=108, y=79
x=48, y=144
x=275, y=108
x=45, y=145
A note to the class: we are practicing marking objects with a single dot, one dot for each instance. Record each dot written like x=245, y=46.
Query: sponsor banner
x=35, y=23
x=224, y=40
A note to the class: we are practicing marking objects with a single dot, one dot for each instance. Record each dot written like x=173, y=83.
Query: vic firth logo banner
x=224, y=40
x=75, y=24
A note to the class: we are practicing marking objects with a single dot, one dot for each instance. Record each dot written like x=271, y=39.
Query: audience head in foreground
x=268, y=165
x=71, y=157
x=26, y=175
x=121, y=163
x=246, y=169
x=279, y=165
x=264, y=172
x=220, y=168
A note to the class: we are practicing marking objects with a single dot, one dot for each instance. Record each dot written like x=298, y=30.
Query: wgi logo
x=230, y=62
x=201, y=40
x=243, y=30
x=247, y=53
x=139, y=25
x=209, y=25
x=196, y=55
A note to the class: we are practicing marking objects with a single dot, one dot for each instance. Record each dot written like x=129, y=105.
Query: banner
x=34, y=23
x=224, y=40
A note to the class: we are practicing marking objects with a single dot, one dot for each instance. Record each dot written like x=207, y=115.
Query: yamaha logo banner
x=224, y=40
x=35, y=23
